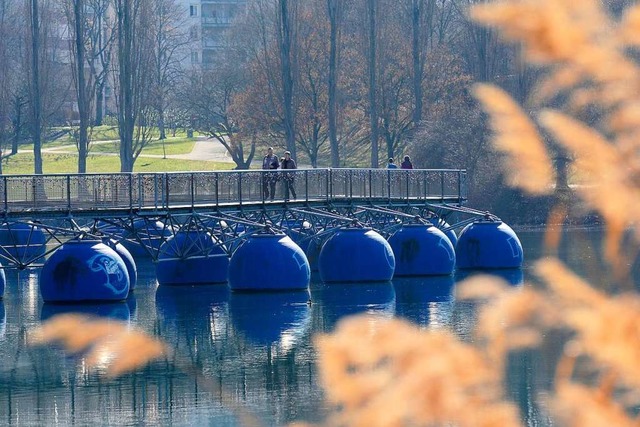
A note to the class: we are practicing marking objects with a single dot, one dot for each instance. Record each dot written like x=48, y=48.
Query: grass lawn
x=22, y=163
x=172, y=146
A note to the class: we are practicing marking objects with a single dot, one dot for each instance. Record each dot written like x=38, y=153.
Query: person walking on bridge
x=269, y=162
x=289, y=177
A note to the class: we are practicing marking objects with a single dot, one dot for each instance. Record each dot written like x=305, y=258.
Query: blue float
x=428, y=301
x=356, y=254
x=144, y=238
x=488, y=243
x=192, y=257
x=126, y=256
x=269, y=318
x=267, y=262
x=84, y=271
x=443, y=225
x=22, y=241
x=422, y=250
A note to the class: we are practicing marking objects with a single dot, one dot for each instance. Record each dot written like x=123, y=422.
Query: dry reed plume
x=389, y=373
x=585, y=52
x=105, y=343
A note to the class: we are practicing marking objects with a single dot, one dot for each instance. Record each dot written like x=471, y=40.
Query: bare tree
x=334, y=11
x=372, y=36
x=169, y=39
x=133, y=84
x=209, y=97
x=286, y=20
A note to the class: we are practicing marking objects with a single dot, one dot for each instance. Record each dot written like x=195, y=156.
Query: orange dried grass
x=389, y=373
x=105, y=341
x=528, y=165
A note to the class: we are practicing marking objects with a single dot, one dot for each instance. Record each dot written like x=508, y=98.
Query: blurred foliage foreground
x=380, y=372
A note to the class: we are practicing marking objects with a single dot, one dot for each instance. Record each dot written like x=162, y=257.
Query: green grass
x=172, y=146
x=22, y=163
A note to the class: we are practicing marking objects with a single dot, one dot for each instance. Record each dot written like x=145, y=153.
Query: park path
x=204, y=149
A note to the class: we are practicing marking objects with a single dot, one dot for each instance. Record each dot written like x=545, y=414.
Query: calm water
x=235, y=351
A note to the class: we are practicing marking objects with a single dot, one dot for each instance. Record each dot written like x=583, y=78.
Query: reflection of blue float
x=443, y=225
x=84, y=270
x=356, y=255
x=337, y=300
x=22, y=241
x=268, y=262
x=488, y=244
x=189, y=311
x=3, y=281
x=425, y=300
x=271, y=317
x=129, y=262
x=111, y=310
x=513, y=276
x=422, y=250
x=190, y=258
x=3, y=320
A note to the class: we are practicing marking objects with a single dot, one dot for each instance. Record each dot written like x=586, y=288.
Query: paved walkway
x=207, y=149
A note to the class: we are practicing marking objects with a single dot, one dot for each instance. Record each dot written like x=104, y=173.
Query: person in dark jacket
x=269, y=179
x=406, y=163
x=289, y=177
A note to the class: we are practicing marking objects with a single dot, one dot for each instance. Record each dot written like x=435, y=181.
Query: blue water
x=237, y=353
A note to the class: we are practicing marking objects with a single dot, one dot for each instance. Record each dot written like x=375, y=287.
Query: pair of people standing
x=269, y=180
x=406, y=163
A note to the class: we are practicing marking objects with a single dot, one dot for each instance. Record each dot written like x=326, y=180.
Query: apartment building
x=209, y=21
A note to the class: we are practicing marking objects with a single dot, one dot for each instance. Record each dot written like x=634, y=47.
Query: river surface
x=239, y=353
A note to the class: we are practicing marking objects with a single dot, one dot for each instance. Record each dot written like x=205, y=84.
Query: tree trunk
x=99, y=104
x=17, y=126
x=287, y=75
x=416, y=13
x=81, y=89
x=334, y=9
x=373, y=110
x=36, y=95
x=126, y=115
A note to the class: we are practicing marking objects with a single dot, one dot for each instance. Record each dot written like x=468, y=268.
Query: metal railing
x=97, y=192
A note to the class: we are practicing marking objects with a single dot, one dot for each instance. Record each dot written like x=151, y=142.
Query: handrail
x=167, y=190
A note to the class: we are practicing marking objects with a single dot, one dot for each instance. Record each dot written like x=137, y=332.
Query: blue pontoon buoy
x=22, y=241
x=145, y=237
x=422, y=250
x=126, y=256
x=355, y=254
x=84, y=271
x=443, y=226
x=192, y=257
x=267, y=262
x=488, y=243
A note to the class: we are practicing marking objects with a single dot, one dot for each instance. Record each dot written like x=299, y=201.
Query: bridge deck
x=35, y=196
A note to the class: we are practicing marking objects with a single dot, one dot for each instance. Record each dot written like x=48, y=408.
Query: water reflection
x=271, y=318
x=113, y=310
x=3, y=321
x=337, y=300
x=426, y=301
x=196, y=314
x=513, y=276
